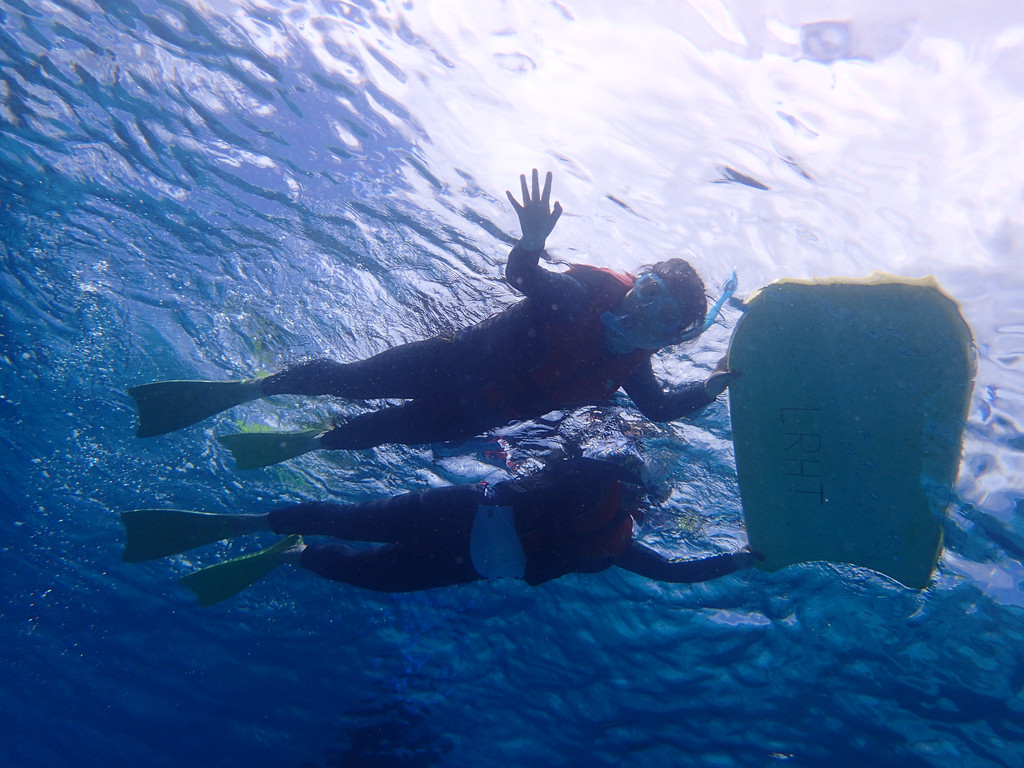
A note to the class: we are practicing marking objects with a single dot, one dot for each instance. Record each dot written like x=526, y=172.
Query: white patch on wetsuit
x=494, y=544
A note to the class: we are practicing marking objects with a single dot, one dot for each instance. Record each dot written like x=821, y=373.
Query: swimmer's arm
x=651, y=564
x=659, y=404
x=557, y=292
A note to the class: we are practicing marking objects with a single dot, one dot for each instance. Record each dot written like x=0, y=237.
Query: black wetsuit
x=574, y=516
x=543, y=353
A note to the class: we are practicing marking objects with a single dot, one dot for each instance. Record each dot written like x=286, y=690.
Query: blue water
x=211, y=190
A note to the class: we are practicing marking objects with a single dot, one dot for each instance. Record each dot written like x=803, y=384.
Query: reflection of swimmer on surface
x=576, y=339
x=575, y=516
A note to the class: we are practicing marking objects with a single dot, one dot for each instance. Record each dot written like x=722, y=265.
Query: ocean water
x=216, y=189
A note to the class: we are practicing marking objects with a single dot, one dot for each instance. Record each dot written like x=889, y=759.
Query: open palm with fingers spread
x=536, y=216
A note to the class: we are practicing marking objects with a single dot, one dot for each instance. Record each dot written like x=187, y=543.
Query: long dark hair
x=685, y=284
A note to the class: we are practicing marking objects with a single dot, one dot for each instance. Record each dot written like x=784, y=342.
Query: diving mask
x=651, y=318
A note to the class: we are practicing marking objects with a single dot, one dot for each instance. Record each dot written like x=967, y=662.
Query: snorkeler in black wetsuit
x=574, y=516
x=575, y=339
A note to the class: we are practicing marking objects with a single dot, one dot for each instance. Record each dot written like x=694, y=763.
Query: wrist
x=531, y=244
x=744, y=559
x=714, y=385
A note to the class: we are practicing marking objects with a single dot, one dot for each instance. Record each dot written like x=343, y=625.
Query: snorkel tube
x=728, y=289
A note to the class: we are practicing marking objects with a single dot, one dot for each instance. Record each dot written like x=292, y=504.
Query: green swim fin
x=165, y=406
x=153, y=533
x=261, y=449
x=221, y=581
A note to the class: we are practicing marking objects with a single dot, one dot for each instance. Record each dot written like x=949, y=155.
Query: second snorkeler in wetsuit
x=575, y=516
x=576, y=338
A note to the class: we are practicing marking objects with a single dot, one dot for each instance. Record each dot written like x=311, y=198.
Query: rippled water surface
x=217, y=189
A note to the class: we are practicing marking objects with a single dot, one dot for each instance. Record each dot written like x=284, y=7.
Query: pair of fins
x=156, y=533
x=166, y=406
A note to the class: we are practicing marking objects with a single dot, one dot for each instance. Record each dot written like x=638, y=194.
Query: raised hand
x=536, y=216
